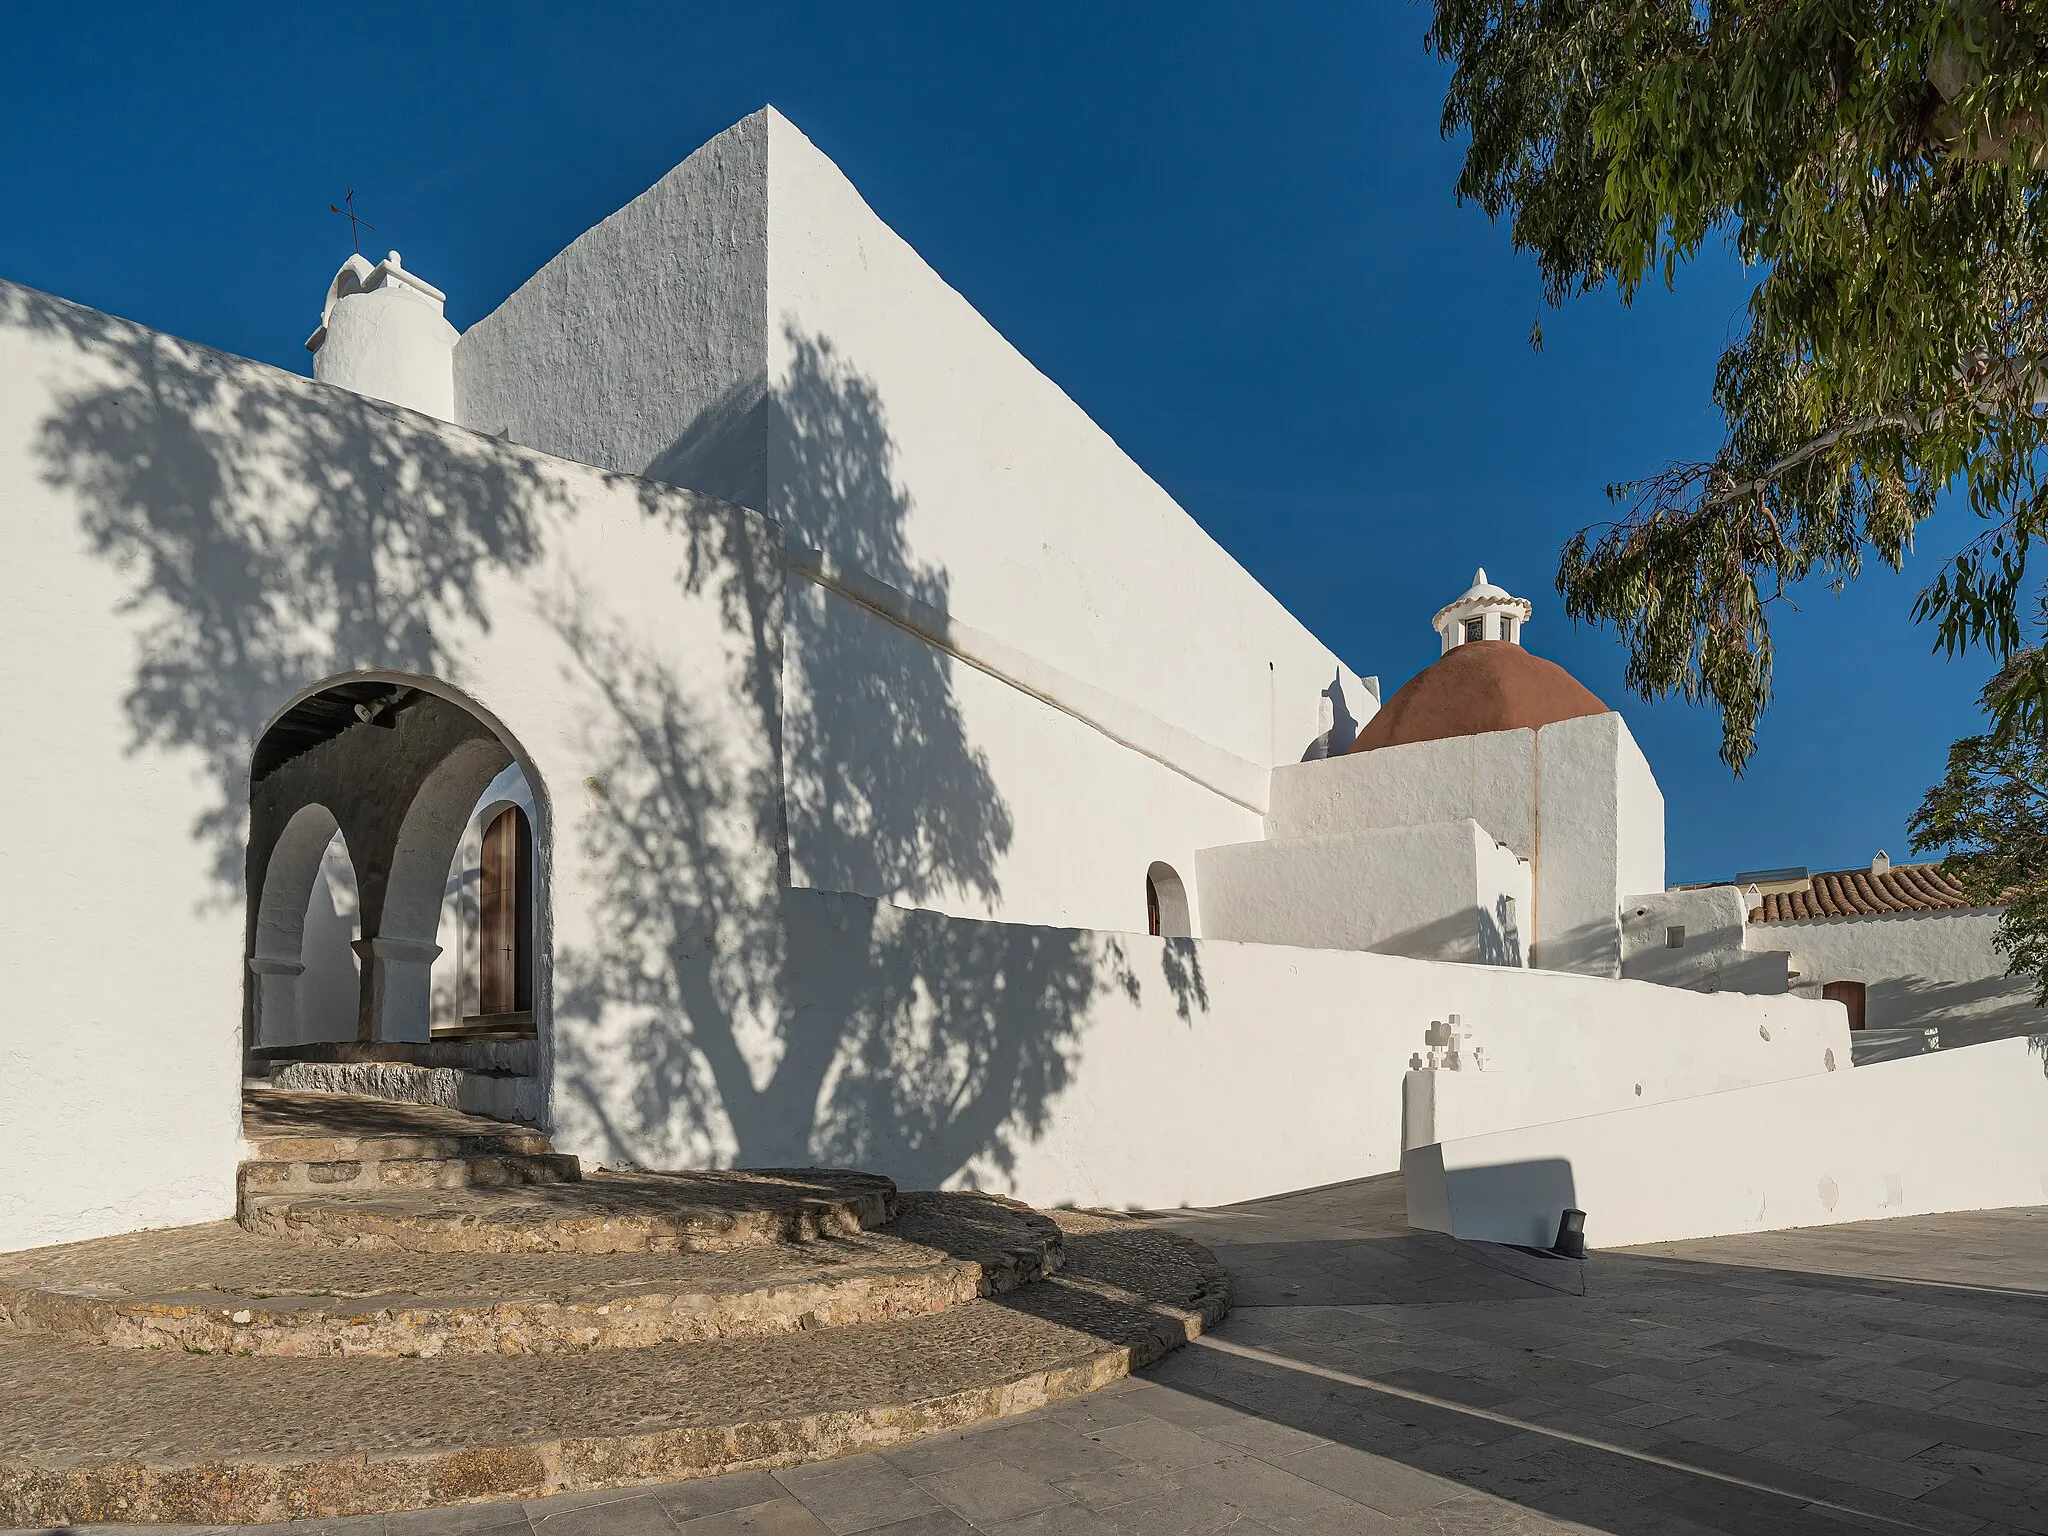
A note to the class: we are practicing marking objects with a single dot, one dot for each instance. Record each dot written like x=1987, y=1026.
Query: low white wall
x=1068, y=1066
x=1601, y=1060
x=1490, y=778
x=1957, y=1130
x=1444, y=891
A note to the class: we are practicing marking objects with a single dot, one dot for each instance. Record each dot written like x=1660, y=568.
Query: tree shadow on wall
x=725, y=1015
x=271, y=535
x=1500, y=935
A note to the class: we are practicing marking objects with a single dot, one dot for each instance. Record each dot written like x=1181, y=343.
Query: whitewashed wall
x=329, y=987
x=972, y=797
x=1062, y=1065
x=1575, y=798
x=195, y=542
x=1958, y=1130
x=1043, y=531
x=1717, y=949
x=750, y=328
x=1923, y=970
x=1441, y=891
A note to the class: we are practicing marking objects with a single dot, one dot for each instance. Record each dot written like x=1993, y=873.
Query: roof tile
x=1860, y=893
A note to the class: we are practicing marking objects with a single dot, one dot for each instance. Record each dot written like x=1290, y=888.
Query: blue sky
x=1227, y=230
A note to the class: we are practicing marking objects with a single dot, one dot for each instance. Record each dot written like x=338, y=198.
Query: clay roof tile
x=1862, y=893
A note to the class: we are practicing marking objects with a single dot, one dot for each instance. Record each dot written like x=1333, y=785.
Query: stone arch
x=398, y=986
x=1166, y=903
x=277, y=960
x=399, y=764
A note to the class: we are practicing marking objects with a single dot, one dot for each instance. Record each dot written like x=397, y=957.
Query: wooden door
x=498, y=888
x=1850, y=994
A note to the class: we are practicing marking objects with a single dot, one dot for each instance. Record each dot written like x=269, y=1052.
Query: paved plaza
x=1886, y=1376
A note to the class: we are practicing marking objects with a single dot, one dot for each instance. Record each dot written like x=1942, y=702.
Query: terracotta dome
x=1482, y=685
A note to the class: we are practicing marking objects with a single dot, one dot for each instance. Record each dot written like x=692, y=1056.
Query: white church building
x=728, y=708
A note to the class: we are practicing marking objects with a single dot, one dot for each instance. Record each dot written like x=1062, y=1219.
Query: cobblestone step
x=497, y=1170
x=323, y=1144
x=282, y=1126
x=220, y=1290
x=99, y=1435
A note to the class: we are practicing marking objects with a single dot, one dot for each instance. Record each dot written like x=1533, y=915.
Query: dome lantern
x=1484, y=681
x=1482, y=611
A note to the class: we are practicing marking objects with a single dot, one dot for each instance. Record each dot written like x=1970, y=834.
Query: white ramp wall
x=1068, y=1066
x=1959, y=1130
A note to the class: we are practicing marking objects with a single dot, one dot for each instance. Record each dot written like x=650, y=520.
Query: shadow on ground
x=1887, y=1373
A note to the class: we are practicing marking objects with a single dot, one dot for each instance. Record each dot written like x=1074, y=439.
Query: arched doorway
x=504, y=893
x=1166, y=904
x=302, y=962
x=393, y=773
x=484, y=973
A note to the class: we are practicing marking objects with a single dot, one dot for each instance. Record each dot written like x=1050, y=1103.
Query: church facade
x=728, y=708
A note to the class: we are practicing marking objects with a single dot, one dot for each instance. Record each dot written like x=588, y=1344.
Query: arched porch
x=408, y=797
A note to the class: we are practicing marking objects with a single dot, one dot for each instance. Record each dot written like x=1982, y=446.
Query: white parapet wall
x=1066, y=1065
x=1960, y=1130
x=1443, y=891
x=1576, y=798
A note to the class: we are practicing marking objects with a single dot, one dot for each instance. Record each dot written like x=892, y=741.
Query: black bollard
x=1571, y=1235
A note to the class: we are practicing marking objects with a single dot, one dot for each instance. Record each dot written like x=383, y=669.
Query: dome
x=1480, y=686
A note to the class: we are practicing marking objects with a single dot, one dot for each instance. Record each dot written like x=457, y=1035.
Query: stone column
x=397, y=989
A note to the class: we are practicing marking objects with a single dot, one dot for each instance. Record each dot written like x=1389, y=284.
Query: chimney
x=1882, y=864
x=382, y=334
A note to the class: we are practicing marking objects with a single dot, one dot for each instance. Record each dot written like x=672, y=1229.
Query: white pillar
x=398, y=978
x=277, y=999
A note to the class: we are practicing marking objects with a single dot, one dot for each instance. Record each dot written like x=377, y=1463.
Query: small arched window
x=1166, y=904
x=505, y=916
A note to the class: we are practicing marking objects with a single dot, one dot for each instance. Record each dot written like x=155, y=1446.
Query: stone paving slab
x=218, y=1289
x=108, y=1434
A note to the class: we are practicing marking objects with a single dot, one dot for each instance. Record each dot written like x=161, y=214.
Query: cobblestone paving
x=219, y=1289
x=162, y=1434
x=1886, y=1376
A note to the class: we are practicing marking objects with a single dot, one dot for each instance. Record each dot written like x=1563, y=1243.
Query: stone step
x=437, y=1170
x=694, y=1212
x=96, y=1435
x=499, y=1095
x=217, y=1289
x=475, y=1053
x=310, y=1143
x=284, y=1126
